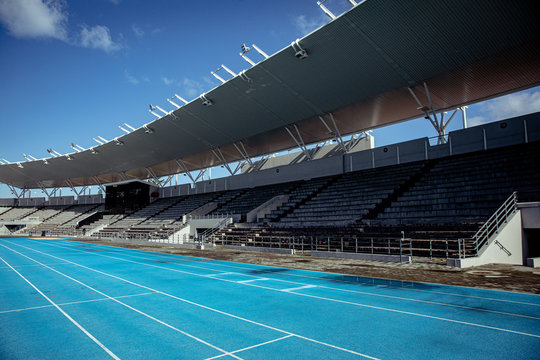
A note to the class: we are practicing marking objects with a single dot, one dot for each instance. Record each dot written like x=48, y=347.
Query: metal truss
x=182, y=166
x=299, y=141
x=334, y=132
x=219, y=155
x=437, y=120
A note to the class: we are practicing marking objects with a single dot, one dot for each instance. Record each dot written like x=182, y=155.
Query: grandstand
x=339, y=193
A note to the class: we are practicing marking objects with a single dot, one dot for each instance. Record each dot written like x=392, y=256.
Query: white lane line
x=111, y=354
x=299, y=288
x=73, y=303
x=203, y=306
x=24, y=266
x=302, y=284
x=128, y=306
x=406, y=288
x=252, y=280
x=356, y=291
x=223, y=273
x=252, y=347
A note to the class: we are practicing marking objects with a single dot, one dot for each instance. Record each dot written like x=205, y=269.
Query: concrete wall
x=61, y=200
x=32, y=201
x=91, y=199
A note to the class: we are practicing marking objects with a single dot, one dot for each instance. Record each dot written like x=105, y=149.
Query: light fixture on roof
x=246, y=49
x=147, y=130
x=129, y=128
x=152, y=108
x=53, y=153
x=20, y=165
x=100, y=140
x=68, y=157
x=179, y=98
x=299, y=52
x=325, y=9
x=94, y=151
x=206, y=102
x=77, y=148
x=45, y=162
x=224, y=68
x=118, y=142
x=29, y=157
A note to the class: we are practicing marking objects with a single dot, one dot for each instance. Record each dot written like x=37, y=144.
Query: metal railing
x=472, y=246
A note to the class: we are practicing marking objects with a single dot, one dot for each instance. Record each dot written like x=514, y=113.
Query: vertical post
x=450, y=145
x=446, y=248
x=311, y=243
x=485, y=138
x=372, y=159
x=430, y=251
x=342, y=244
x=459, y=248
x=400, y=249
x=388, y=246
x=526, y=132
x=426, y=149
x=397, y=153
x=371, y=245
x=303, y=246
x=328, y=241
x=356, y=245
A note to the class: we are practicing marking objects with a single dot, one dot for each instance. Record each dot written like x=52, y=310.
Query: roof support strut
x=299, y=141
x=437, y=120
x=335, y=132
x=219, y=155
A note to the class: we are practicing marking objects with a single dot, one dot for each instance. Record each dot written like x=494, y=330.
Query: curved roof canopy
x=360, y=67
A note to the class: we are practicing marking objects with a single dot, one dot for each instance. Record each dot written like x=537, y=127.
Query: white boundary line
x=204, y=306
x=252, y=347
x=407, y=288
x=299, y=288
x=244, y=282
x=23, y=266
x=129, y=307
x=73, y=303
x=111, y=354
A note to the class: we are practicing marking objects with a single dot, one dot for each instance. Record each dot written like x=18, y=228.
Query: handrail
x=491, y=226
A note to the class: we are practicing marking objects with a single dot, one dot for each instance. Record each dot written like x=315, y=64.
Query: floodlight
x=118, y=142
x=147, y=130
x=29, y=157
x=206, y=102
x=94, y=151
x=20, y=165
x=69, y=157
x=77, y=148
x=325, y=9
x=245, y=48
x=299, y=52
x=45, y=162
x=53, y=153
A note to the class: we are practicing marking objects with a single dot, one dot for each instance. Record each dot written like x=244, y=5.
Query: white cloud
x=137, y=31
x=168, y=81
x=192, y=87
x=97, y=37
x=130, y=78
x=34, y=18
x=305, y=25
x=507, y=106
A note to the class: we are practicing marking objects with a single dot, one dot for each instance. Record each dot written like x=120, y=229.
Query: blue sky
x=74, y=70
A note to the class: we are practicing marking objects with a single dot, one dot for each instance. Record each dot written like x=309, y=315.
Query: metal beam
x=299, y=141
x=243, y=152
x=183, y=166
x=219, y=155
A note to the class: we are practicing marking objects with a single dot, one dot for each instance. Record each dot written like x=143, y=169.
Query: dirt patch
x=493, y=276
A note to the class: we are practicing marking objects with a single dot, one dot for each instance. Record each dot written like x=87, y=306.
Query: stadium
x=317, y=243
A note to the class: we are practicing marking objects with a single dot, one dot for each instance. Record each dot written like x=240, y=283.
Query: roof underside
x=359, y=68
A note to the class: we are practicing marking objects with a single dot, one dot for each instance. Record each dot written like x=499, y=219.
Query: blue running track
x=62, y=299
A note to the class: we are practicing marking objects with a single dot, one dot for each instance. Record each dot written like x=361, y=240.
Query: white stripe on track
x=73, y=303
x=111, y=354
x=347, y=290
x=201, y=305
x=129, y=307
x=244, y=282
x=253, y=346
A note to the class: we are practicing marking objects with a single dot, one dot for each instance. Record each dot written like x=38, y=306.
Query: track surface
x=64, y=299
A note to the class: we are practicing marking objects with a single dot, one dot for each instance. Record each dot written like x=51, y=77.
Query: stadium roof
x=359, y=68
